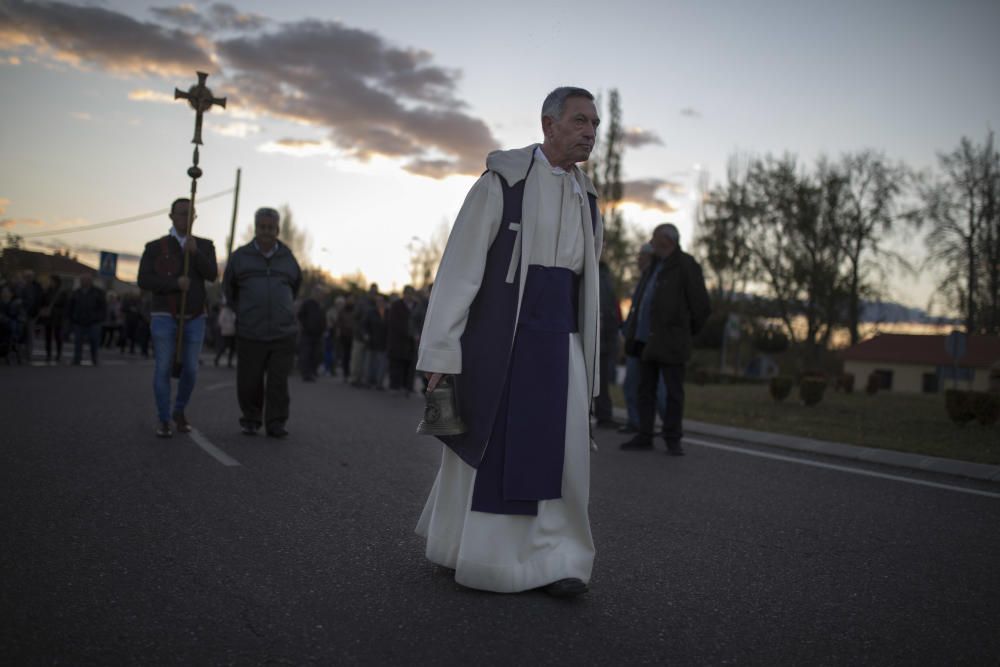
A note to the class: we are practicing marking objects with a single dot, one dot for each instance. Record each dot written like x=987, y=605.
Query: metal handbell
x=441, y=411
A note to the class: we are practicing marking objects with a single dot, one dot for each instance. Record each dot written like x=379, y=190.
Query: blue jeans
x=631, y=390
x=164, y=333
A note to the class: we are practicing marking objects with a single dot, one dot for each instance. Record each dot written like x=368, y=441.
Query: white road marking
x=848, y=469
x=215, y=452
x=219, y=385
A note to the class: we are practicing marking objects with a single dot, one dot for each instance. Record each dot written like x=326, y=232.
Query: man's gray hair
x=670, y=230
x=267, y=212
x=555, y=102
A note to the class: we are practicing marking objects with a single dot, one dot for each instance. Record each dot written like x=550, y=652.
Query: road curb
x=936, y=464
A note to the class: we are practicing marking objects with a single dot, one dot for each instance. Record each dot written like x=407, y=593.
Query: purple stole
x=512, y=390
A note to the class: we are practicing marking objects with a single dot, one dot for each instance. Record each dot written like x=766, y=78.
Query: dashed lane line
x=847, y=469
x=213, y=451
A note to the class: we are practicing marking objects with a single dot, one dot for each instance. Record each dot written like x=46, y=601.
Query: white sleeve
x=459, y=276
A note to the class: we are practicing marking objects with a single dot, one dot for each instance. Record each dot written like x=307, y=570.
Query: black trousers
x=401, y=374
x=226, y=343
x=602, y=402
x=673, y=378
x=262, y=380
x=310, y=355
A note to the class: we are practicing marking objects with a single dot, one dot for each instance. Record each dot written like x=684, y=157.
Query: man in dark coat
x=401, y=345
x=611, y=321
x=672, y=308
x=86, y=314
x=312, y=325
x=162, y=272
x=260, y=283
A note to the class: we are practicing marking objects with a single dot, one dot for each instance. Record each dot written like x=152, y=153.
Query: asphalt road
x=119, y=548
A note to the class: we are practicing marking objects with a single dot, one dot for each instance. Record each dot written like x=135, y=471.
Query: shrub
x=958, y=403
x=985, y=406
x=811, y=389
x=781, y=387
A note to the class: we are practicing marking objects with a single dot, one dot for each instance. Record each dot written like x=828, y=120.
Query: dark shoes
x=627, y=428
x=249, y=428
x=674, y=448
x=276, y=431
x=163, y=430
x=181, y=422
x=566, y=588
x=606, y=423
x=638, y=442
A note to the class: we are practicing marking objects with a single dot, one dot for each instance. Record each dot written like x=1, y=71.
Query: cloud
x=636, y=137
x=236, y=129
x=642, y=192
x=80, y=115
x=220, y=16
x=96, y=36
x=690, y=112
x=10, y=223
x=372, y=97
x=83, y=249
x=146, y=95
x=297, y=147
x=4, y=203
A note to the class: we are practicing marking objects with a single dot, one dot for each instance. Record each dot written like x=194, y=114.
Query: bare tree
x=724, y=222
x=961, y=206
x=871, y=202
x=425, y=255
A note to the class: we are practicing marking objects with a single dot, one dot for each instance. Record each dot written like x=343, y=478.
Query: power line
x=120, y=221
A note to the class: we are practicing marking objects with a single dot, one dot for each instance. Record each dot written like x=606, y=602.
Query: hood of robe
x=513, y=166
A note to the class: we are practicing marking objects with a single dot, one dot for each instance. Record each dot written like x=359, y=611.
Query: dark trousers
x=92, y=334
x=310, y=355
x=53, y=332
x=401, y=374
x=262, y=379
x=344, y=354
x=602, y=403
x=226, y=343
x=673, y=378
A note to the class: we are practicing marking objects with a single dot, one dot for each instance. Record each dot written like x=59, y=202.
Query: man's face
x=266, y=229
x=662, y=244
x=644, y=260
x=572, y=137
x=179, y=216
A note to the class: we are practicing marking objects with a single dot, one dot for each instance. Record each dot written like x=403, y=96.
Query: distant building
x=69, y=270
x=914, y=364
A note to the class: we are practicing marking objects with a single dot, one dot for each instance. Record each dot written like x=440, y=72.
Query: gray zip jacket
x=262, y=291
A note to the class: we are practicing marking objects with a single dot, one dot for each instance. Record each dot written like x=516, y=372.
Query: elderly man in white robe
x=513, y=317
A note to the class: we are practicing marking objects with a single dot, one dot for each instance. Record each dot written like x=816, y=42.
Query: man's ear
x=546, y=126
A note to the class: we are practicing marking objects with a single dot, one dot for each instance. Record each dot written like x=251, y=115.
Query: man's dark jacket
x=311, y=318
x=86, y=306
x=262, y=292
x=162, y=264
x=678, y=311
x=400, y=344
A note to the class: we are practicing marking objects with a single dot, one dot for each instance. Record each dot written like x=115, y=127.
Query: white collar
x=180, y=239
x=558, y=171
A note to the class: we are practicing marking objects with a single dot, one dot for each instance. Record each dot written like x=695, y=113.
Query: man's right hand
x=183, y=282
x=432, y=380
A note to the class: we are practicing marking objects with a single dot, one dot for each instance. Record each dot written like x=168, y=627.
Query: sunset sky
x=372, y=119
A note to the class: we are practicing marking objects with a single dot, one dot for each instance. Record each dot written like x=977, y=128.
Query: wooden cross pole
x=201, y=100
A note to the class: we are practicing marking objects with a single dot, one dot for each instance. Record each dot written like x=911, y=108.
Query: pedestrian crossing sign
x=109, y=264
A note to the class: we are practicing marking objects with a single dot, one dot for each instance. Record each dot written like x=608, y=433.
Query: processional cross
x=199, y=96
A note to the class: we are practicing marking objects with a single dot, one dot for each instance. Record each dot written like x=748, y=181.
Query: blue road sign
x=109, y=264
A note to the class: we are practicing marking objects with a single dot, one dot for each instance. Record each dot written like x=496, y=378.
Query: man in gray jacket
x=261, y=281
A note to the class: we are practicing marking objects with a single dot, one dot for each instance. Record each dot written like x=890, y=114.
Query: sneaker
x=163, y=430
x=638, y=442
x=181, y=422
x=249, y=428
